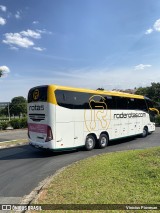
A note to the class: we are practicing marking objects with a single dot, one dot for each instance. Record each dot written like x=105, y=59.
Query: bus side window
x=141, y=105
x=149, y=103
x=64, y=98
x=132, y=103
x=121, y=102
x=80, y=100
x=110, y=102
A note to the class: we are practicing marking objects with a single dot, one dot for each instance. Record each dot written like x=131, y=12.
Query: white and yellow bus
x=62, y=118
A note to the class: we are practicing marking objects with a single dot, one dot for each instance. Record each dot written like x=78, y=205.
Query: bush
x=18, y=123
x=15, y=123
x=158, y=119
x=23, y=122
x=4, y=125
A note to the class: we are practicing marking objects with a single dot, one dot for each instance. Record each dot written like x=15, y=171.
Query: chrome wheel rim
x=90, y=142
x=103, y=141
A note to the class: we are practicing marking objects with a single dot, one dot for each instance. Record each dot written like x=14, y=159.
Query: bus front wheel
x=90, y=142
x=103, y=141
x=145, y=132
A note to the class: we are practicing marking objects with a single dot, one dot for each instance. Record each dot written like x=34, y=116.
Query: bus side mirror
x=156, y=111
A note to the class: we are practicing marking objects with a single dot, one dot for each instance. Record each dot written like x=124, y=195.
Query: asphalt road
x=22, y=168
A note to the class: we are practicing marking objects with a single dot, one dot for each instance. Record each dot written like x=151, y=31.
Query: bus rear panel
x=40, y=118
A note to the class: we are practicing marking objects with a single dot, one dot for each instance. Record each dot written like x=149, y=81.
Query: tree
x=152, y=92
x=18, y=106
x=142, y=91
x=102, y=89
x=4, y=112
x=4, y=70
x=1, y=73
x=155, y=92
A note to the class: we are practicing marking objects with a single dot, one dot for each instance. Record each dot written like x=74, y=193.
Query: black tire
x=145, y=132
x=90, y=142
x=103, y=141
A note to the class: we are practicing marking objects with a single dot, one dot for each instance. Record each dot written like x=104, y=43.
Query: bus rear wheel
x=103, y=141
x=90, y=142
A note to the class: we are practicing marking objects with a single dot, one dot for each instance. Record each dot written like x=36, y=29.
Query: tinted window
x=72, y=100
x=141, y=104
x=132, y=103
x=64, y=98
x=121, y=102
x=80, y=100
x=149, y=103
x=37, y=94
x=97, y=102
x=110, y=102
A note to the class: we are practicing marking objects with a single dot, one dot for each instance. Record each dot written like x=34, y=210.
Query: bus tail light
x=49, y=134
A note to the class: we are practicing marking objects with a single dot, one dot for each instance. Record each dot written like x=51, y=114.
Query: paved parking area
x=23, y=164
x=10, y=135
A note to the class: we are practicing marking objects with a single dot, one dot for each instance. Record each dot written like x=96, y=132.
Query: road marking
x=8, y=141
x=10, y=200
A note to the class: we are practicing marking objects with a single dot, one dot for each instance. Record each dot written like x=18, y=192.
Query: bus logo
x=36, y=94
x=97, y=117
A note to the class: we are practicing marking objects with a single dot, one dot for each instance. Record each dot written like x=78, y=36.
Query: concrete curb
x=36, y=192
x=34, y=195
x=12, y=130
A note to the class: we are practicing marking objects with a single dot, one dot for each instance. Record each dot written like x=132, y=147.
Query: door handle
x=76, y=138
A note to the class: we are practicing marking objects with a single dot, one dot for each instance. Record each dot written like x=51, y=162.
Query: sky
x=114, y=44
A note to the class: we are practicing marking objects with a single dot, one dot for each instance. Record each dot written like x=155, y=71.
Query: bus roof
x=98, y=92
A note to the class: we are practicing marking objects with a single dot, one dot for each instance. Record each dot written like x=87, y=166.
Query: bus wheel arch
x=145, y=131
x=103, y=140
x=90, y=142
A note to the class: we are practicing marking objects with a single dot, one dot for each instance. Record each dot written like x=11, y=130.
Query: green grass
x=130, y=177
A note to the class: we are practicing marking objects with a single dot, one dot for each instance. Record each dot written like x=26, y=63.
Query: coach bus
x=62, y=118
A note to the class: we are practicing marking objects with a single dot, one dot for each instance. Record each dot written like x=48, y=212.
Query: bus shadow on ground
x=27, y=152
x=122, y=140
